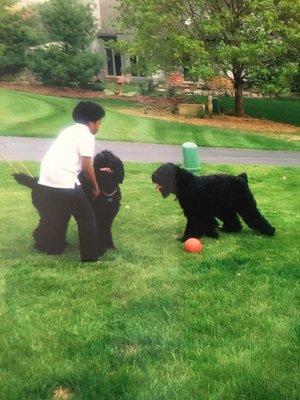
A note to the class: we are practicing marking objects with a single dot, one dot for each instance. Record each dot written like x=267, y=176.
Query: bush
x=142, y=89
x=55, y=67
x=171, y=91
x=13, y=40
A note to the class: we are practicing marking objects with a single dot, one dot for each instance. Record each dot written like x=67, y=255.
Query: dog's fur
x=205, y=198
x=106, y=205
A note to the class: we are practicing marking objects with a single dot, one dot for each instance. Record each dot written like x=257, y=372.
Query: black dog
x=109, y=171
x=107, y=205
x=205, y=198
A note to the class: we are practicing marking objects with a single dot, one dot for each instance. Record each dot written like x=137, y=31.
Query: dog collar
x=109, y=194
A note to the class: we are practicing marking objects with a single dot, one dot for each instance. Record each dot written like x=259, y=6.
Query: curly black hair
x=88, y=111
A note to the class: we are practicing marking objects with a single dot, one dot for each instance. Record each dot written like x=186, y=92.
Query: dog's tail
x=243, y=176
x=26, y=180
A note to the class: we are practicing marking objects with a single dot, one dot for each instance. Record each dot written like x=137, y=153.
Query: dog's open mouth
x=106, y=169
x=161, y=190
x=158, y=188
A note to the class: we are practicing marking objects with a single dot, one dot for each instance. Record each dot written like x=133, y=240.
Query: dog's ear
x=243, y=176
x=120, y=173
x=116, y=165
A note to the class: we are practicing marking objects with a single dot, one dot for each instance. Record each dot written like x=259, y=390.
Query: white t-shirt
x=63, y=161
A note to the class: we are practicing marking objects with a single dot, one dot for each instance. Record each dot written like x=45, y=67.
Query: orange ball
x=193, y=245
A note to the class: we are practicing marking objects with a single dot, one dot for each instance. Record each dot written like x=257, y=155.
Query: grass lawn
x=151, y=322
x=24, y=114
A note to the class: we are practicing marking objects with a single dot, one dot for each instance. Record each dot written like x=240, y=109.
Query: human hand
x=96, y=192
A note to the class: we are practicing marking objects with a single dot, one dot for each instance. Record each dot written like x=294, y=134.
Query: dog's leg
x=198, y=226
x=231, y=222
x=253, y=218
x=50, y=238
x=105, y=218
x=189, y=231
x=209, y=226
x=105, y=239
x=110, y=242
x=39, y=236
x=101, y=238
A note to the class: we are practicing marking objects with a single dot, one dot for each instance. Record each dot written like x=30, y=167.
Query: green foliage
x=33, y=24
x=67, y=59
x=256, y=40
x=296, y=81
x=13, y=39
x=147, y=87
x=70, y=22
x=53, y=66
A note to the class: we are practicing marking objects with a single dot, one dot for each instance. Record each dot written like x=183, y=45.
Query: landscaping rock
x=108, y=92
x=131, y=94
x=191, y=110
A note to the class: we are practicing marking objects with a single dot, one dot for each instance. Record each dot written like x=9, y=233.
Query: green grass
x=151, y=322
x=286, y=110
x=24, y=114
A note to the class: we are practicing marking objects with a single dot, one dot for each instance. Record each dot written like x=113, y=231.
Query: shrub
x=171, y=91
x=13, y=40
x=55, y=67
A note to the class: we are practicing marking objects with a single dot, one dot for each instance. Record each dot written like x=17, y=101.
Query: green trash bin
x=216, y=106
x=191, y=161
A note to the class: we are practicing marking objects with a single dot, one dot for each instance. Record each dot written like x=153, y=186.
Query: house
x=108, y=30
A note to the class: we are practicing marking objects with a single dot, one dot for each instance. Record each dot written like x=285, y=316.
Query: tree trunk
x=239, y=103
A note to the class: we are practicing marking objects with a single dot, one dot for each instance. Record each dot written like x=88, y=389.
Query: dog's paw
x=232, y=229
x=213, y=234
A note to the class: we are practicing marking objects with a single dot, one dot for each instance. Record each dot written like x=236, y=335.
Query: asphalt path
x=33, y=149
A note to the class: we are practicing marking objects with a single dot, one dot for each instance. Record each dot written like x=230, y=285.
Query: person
x=71, y=152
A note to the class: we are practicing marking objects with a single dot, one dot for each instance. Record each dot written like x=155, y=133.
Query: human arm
x=88, y=168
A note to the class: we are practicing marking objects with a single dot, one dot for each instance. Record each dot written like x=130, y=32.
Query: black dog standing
x=109, y=173
x=205, y=198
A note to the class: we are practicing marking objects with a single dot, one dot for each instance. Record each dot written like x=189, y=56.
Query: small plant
x=201, y=112
x=142, y=89
x=171, y=91
x=151, y=85
x=97, y=85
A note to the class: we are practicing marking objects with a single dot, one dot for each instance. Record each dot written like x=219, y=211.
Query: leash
x=15, y=159
x=9, y=163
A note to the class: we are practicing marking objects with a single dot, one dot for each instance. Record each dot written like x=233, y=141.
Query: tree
x=67, y=58
x=13, y=39
x=70, y=22
x=253, y=42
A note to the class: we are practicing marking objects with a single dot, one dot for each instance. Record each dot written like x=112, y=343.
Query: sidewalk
x=33, y=149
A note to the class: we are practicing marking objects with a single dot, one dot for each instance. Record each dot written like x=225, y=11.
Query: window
x=113, y=59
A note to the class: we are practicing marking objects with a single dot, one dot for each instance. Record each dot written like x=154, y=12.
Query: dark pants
x=58, y=207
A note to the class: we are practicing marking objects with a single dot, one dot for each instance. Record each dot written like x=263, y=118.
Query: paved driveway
x=33, y=149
